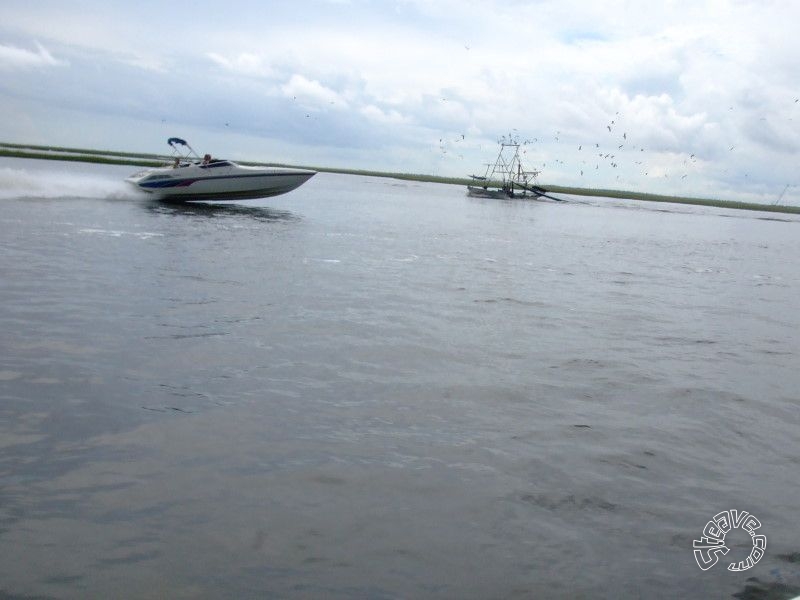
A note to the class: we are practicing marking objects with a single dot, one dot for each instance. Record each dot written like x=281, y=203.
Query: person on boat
x=177, y=163
x=206, y=159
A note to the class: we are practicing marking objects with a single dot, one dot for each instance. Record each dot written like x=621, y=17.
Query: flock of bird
x=614, y=150
x=594, y=156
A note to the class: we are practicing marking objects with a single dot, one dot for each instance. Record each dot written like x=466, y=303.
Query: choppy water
x=376, y=389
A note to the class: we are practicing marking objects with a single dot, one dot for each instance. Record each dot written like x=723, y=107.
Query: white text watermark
x=708, y=548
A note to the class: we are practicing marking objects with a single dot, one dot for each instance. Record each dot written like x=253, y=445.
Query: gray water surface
x=370, y=388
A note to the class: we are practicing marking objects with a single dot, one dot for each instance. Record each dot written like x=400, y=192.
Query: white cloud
x=12, y=57
x=148, y=63
x=373, y=113
x=311, y=93
x=245, y=63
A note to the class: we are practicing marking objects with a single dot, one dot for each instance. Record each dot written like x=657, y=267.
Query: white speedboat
x=189, y=177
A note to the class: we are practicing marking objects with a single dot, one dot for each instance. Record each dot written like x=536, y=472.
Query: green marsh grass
x=153, y=160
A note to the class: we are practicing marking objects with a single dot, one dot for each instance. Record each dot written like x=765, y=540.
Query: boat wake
x=24, y=183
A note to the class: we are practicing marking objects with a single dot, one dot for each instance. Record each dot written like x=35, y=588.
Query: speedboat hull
x=218, y=180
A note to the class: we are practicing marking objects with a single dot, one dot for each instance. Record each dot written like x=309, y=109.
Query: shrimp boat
x=507, y=177
x=188, y=177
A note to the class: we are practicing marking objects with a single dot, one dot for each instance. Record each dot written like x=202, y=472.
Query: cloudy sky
x=692, y=97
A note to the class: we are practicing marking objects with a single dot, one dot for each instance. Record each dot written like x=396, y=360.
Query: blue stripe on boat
x=169, y=183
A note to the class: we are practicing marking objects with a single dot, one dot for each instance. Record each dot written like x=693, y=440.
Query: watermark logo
x=708, y=548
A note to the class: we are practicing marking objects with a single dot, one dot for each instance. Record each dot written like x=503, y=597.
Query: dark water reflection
x=219, y=210
x=370, y=390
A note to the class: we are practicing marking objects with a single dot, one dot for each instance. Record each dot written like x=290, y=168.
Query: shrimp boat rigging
x=188, y=177
x=507, y=177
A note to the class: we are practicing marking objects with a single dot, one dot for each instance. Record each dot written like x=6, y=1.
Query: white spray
x=34, y=183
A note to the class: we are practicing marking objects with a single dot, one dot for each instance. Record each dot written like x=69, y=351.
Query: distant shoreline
x=154, y=160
